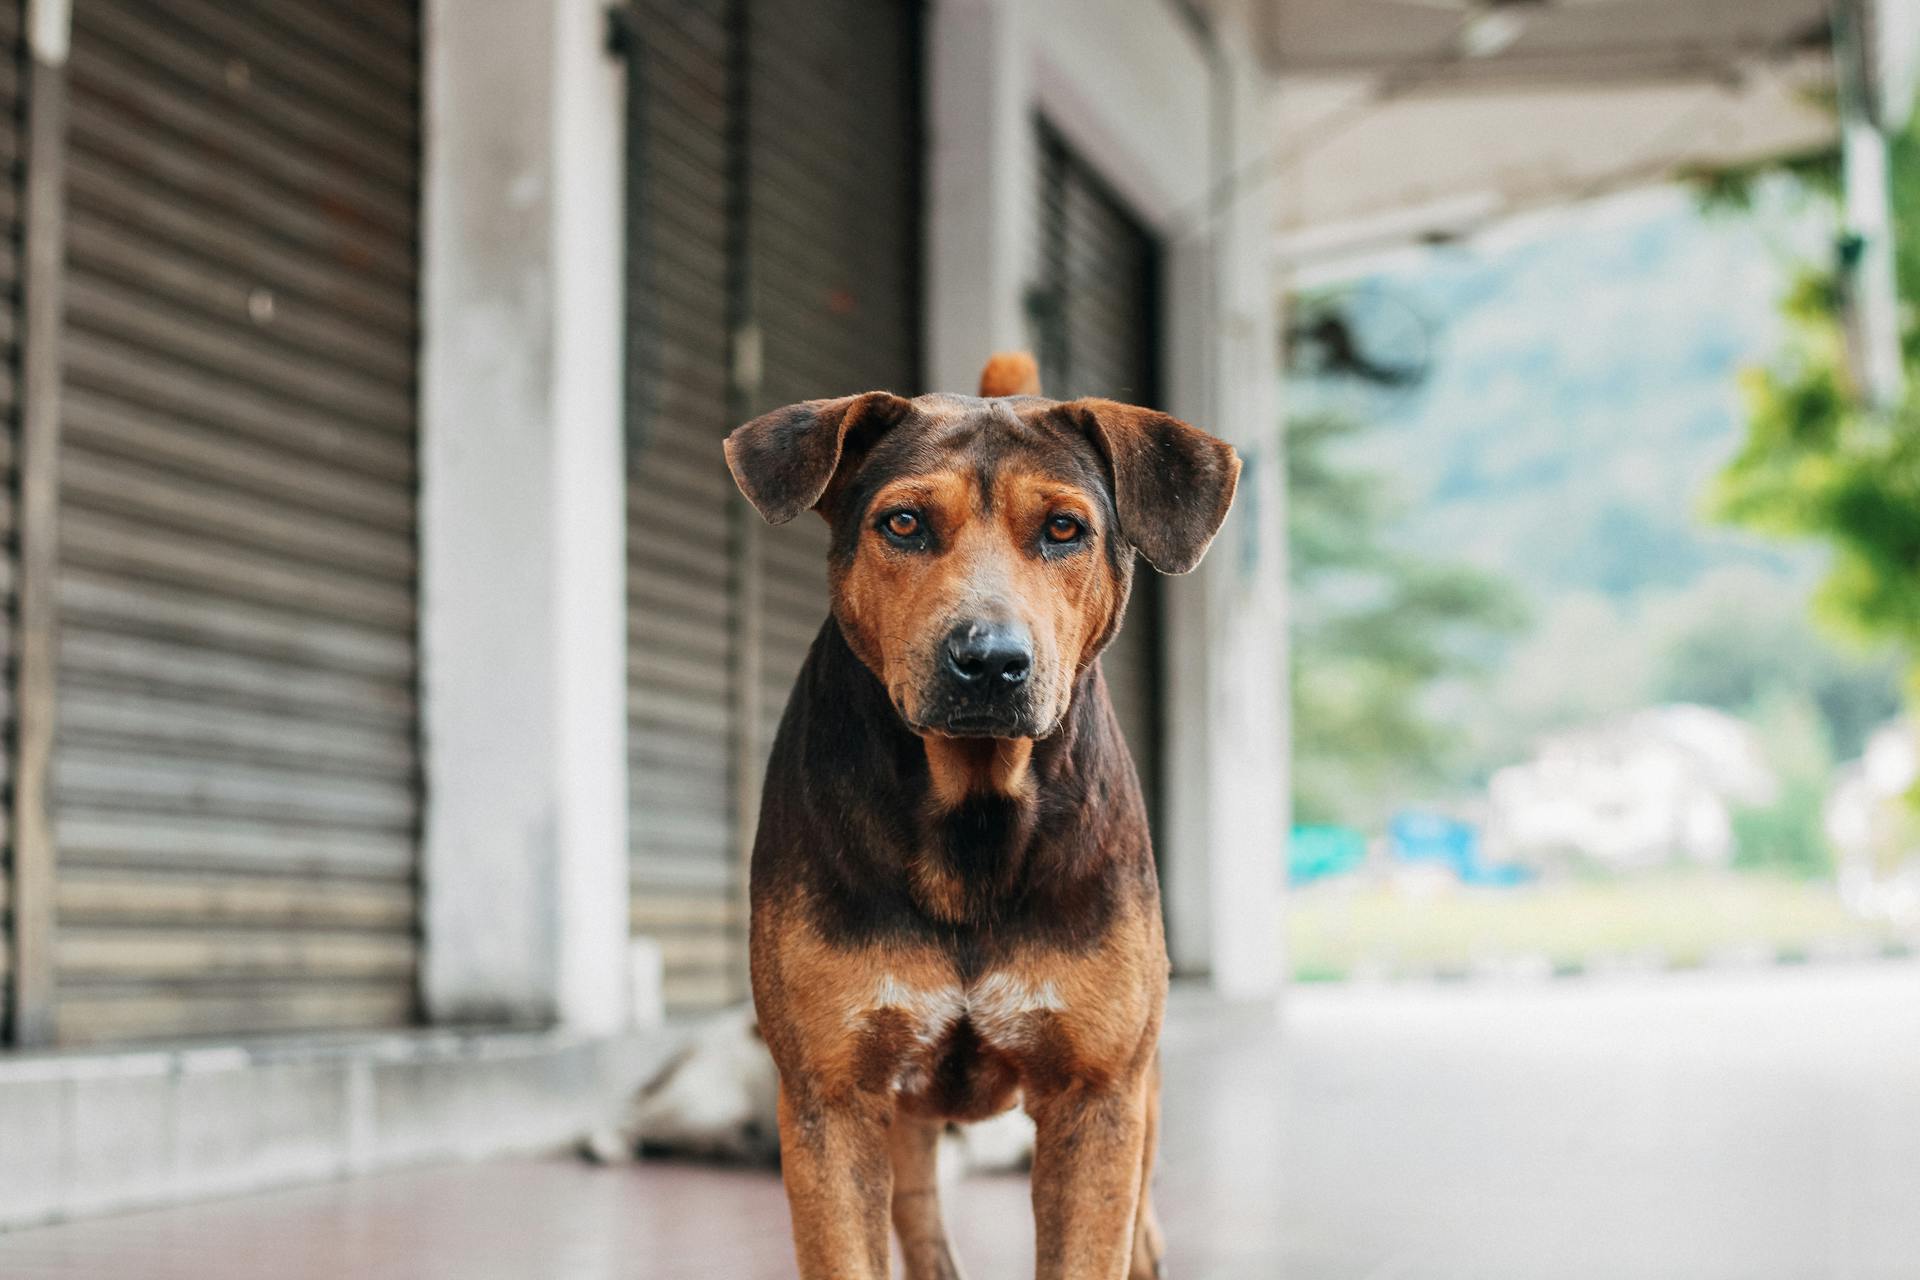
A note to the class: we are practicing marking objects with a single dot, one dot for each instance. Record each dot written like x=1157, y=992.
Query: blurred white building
x=1875, y=829
x=1655, y=787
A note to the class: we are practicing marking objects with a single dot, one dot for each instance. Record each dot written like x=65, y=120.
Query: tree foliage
x=1373, y=629
x=1730, y=651
x=1816, y=463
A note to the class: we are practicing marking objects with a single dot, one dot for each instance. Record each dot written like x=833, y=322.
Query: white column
x=980, y=135
x=1873, y=296
x=1226, y=662
x=1875, y=317
x=522, y=516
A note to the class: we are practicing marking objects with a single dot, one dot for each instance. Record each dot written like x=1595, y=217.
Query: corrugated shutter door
x=683, y=712
x=773, y=160
x=833, y=180
x=236, y=779
x=1096, y=314
x=12, y=56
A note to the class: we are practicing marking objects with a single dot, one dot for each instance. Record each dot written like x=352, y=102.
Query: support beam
x=1867, y=262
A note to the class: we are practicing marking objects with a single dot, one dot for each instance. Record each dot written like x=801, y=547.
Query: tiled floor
x=1753, y=1126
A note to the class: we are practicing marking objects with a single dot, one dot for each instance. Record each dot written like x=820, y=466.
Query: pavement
x=1749, y=1125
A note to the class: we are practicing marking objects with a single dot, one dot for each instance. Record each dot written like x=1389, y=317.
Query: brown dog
x=954, y=898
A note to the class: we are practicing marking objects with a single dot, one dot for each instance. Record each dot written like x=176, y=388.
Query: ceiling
x=1400, y=120
x=1434, y=41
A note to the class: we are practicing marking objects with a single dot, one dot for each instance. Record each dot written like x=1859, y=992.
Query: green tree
x=1373, y=629
x=1816, y=464
x=1723, y=648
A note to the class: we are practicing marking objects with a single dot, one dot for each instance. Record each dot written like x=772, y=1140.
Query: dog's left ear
x=784, y=461
x=1172, y=483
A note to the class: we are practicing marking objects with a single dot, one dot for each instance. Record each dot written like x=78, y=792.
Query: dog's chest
x=1005, y=1011
x=949, y=1035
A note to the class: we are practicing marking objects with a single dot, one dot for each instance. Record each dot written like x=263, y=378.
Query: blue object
x=1318, y=851
x=1415, y=835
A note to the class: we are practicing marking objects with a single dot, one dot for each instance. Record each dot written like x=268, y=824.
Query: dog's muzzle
x=981, y=687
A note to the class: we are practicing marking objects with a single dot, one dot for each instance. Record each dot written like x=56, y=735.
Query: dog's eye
x=901, y=524
x=1062, y=527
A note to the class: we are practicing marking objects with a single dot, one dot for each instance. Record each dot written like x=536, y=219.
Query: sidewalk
x=1718, y=1125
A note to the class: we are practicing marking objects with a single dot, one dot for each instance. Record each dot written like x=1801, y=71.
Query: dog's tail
x=1011, y=373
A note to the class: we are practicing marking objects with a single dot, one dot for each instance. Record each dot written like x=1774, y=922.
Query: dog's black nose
x=990, y=654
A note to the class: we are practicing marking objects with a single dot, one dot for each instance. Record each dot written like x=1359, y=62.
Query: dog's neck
x=958, y=769
x=977, y=823
x=988, y=820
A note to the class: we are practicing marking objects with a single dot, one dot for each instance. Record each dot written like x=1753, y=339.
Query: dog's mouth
x=980, y=725
x=975, y=722
x=945, y=708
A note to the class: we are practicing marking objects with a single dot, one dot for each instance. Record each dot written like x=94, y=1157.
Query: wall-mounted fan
x=1368, y=335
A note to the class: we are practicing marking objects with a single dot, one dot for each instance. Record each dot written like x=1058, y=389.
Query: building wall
x=522, y=575
x=522, y=585
x=523, y=927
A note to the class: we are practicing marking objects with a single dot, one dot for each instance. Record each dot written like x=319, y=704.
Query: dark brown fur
x=948, y=920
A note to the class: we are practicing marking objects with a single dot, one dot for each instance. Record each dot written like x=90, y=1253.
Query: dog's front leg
x=833, y=1158
x=916, y=1199
x=1086, y=1179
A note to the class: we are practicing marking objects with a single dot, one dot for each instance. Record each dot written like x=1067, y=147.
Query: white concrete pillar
x=522, y=516
x=980, y=166
x=1226, y=673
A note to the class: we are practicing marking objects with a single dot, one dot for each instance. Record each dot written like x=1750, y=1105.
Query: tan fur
x=835, y=1164
x=1011, y=373
x=913, y=1144
x=1149, y=1245
x=961, y=767
x=896, y=610
x=860, y=1029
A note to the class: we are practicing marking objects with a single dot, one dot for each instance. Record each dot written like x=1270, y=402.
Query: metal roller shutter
x=12, y=67
x=684, y=717
x=774, y=157
x=833, y=179
x=235, y=785
x=1095, y=307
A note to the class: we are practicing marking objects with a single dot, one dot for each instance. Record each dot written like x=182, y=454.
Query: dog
x=954, y=907
x=716, y=1099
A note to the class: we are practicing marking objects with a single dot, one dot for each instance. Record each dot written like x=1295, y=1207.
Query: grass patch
x=1678, y=920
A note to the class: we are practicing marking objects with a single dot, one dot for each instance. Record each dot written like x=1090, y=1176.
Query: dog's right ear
x=1172, y=483
x=784, y=461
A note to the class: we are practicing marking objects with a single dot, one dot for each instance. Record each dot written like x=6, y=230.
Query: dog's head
x=983, y=547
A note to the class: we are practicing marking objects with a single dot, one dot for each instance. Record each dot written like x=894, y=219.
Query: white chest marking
x=931, y=1011
x=997, y=1005
x=1000, y=1004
